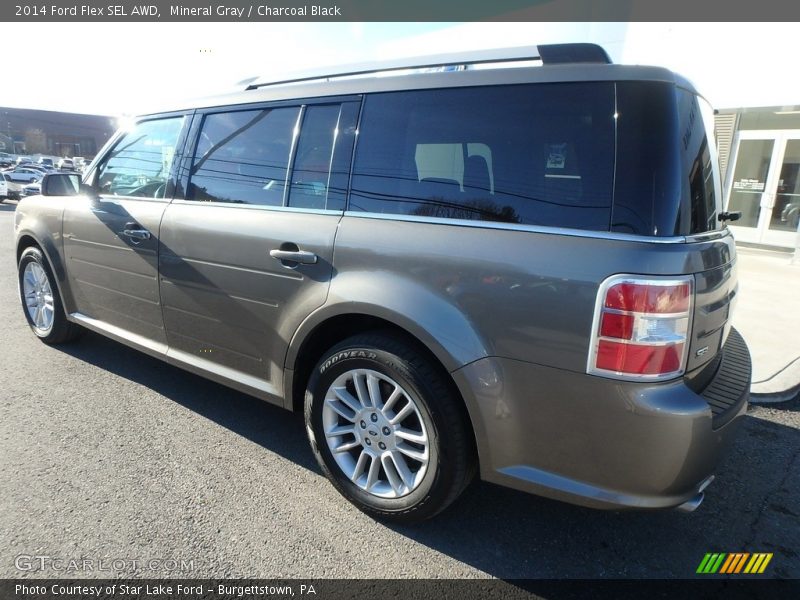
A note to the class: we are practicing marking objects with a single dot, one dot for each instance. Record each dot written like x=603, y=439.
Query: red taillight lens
x=616, y=326
x=646, y=298
x=642, y=328
x=641, y=360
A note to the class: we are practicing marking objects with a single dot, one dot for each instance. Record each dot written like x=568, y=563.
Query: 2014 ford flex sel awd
x=519, y=272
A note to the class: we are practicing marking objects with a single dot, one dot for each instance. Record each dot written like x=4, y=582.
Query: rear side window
x=243, y=157
x=529, y=154
x=700, y=163
x=667, y=178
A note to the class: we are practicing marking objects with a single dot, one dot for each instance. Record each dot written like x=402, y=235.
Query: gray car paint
x=225, y=298
x=482, y=291
x=114, y=278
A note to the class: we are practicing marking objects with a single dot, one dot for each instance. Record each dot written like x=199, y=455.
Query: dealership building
x=51, y=133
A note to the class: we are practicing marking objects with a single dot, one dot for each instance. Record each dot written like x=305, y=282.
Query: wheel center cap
x=375, y=428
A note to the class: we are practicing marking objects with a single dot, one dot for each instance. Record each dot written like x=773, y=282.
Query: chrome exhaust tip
x=692, y=504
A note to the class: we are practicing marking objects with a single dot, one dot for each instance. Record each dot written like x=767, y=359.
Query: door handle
x=303, y=257
x=135, y=231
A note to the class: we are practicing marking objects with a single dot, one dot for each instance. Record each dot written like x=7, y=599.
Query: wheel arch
x=318, y=335
x=27, y=239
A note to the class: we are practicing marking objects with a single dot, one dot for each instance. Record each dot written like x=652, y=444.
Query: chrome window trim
x=114, y=198
x=609, y=235
x=708, y=235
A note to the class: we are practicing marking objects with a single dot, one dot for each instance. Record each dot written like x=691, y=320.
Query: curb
x=780, y=387
x=775, y=397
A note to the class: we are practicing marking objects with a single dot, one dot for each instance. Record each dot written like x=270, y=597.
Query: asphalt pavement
x=113, y=457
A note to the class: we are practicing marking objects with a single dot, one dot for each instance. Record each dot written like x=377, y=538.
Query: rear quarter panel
x=490, y=291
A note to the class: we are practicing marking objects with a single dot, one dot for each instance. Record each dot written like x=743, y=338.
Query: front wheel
x=40, y=300
x=387, y=428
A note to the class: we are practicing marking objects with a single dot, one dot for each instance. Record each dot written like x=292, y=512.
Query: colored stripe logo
x=734, y=563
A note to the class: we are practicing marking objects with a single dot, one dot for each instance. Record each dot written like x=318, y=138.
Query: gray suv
x=522, y=273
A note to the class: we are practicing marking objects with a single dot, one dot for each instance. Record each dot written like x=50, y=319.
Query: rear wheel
x=41, y=302
x=387, y=429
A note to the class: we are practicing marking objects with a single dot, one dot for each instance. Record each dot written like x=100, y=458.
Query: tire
x=404, y=462
x=41, y=302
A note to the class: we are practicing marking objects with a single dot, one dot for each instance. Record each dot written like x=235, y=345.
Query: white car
x=3, y=189
x=13, y=188
x=24, y=175
x=65, y=164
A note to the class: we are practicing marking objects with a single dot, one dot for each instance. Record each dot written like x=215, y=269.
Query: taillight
x=641, y=327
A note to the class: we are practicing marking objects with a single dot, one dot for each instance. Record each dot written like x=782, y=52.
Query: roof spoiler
x=548, y=54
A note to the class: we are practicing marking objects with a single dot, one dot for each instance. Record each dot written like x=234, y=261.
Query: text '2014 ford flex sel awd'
x=517, y=270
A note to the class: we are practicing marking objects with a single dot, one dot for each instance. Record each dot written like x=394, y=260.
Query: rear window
x=528, y=154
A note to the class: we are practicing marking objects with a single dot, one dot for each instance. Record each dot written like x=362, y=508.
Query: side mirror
x=61, y=184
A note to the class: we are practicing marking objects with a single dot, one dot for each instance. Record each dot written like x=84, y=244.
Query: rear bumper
x=600, y=442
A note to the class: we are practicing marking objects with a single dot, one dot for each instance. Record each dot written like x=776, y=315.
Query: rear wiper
x=730, y=216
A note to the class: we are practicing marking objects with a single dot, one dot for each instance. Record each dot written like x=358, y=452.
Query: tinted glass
x=699, y=162
x=242, y=157
x=532, y=154
x=141, y=161
x=339, y=180
x=313, y=158
x=649, y=183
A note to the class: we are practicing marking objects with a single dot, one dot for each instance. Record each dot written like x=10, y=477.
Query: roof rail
x=549, y=54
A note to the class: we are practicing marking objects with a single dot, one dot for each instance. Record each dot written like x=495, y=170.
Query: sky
x=121, y=68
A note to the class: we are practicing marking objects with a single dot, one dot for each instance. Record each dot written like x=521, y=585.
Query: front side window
x=529, y=154
x=242, y=157
x=140, y=162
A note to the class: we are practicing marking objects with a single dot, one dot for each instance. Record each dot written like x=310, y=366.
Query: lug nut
x=386, y=431
x=373, y=417
x=382, y=446
x=368, y=442
x=363, y=425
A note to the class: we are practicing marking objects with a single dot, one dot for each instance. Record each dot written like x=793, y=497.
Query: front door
x=765, y=187
x=111, y=236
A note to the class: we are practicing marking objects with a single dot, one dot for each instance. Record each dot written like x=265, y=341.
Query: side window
x=139, y=164
x=310, y=175
x=242, y=157
x=696, y=119
x=531, y=154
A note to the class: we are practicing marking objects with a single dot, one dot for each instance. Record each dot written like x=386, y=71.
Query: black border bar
x=396, y=10
x=734, y=588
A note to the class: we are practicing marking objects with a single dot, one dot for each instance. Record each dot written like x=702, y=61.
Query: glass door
x=765, y=187
x=783, y=223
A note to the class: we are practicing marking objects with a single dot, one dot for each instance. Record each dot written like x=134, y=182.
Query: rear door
x=248, y=254
x=111, y=235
